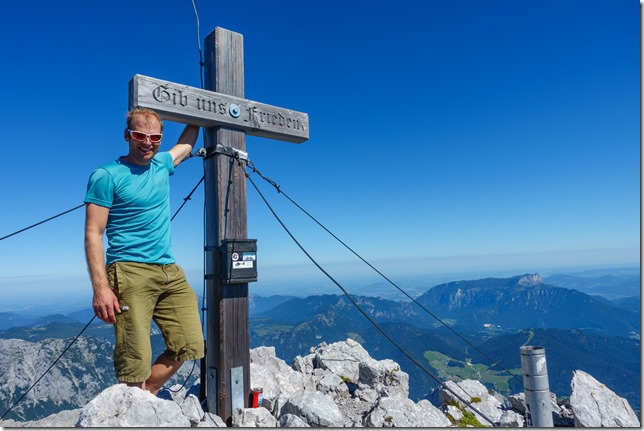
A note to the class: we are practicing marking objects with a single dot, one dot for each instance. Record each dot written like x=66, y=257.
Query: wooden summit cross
x=227, y=118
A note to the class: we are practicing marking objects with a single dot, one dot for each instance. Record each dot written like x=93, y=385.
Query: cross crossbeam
x=190, y=105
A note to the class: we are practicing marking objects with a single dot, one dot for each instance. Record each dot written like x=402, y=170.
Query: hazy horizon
x=65, y=294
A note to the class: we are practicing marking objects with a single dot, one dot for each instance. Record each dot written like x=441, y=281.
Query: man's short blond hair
x=145, y=112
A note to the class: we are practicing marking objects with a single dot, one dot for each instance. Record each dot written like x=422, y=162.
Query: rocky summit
x=340, y=385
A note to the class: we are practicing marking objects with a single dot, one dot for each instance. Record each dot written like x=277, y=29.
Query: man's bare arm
x=185, y=144
x=105, y=303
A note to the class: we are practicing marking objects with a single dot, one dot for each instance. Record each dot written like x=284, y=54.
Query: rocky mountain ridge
x=340, y=385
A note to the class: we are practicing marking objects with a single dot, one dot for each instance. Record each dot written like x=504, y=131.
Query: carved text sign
x=190, y=105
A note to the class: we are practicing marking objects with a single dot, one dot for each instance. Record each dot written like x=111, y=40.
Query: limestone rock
x=511, y=419
x=64, y=419
x=474, y=393
x=211, y=421
x=272, y=374
x=191, y=409
x=253, y=418
x=314, y=408
x=594, y=405
x=398, y=412
x=385, y=376
x=342, y=359
x=124, y=406
x=292, y=421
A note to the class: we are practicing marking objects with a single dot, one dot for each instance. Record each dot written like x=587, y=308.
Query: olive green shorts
x=153, y=292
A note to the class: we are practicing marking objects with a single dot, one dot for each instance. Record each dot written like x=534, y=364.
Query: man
x=137, y=279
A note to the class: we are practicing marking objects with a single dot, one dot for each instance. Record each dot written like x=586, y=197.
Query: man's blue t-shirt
x=138, y=225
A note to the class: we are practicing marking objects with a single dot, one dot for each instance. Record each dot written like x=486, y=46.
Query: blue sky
x=494, y=137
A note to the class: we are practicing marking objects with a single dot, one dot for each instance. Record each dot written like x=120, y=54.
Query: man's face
x=141, y=152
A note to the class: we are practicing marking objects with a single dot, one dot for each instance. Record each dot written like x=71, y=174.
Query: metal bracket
x=227, y=151
x=211, y=389
x=237, y=388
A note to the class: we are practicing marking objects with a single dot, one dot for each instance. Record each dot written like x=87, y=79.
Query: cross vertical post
x=227, y=335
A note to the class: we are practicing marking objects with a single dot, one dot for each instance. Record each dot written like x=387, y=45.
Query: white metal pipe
x=536, y=387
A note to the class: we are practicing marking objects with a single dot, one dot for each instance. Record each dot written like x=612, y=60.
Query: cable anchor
x=226, y=151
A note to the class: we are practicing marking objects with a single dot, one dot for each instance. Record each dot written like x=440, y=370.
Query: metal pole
x=536, y=387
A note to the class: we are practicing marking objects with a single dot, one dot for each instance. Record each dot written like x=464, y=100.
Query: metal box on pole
x=238, y=260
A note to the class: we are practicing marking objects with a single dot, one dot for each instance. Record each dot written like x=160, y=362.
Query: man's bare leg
x=162, y=369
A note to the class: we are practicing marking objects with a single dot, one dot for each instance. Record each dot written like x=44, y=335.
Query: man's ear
x=126, y=135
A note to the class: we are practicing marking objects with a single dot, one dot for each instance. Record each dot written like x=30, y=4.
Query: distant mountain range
x=616, y=283
x=488, y=319
x=527, y=302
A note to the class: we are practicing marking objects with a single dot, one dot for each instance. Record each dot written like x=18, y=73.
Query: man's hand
x=106, y=305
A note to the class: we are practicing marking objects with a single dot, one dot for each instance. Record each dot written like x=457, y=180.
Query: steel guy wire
x=201, y=153
x=277, y=187
x=186, y=199
x=279, y=190
x=364, y=313
x=48, y=369
x=236, y=156
x=201, y=63
x=41, y=222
